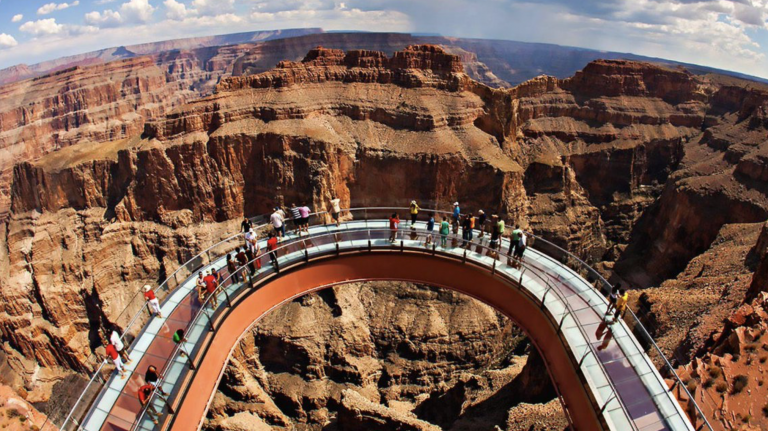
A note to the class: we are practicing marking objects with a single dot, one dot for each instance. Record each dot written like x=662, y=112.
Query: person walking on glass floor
x=430, y=228
x=394, y=222
x=414, y=210
x=445, y=230
x=336, y=209
x=152, y=301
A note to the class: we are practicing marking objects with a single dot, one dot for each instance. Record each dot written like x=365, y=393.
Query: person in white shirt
x=250, y=240
x=114, y=338
x=335, y=209
x=278, y=222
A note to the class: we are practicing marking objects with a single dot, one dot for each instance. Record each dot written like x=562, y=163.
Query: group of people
x=468, y=223
x=248, y=258
x=115, y=351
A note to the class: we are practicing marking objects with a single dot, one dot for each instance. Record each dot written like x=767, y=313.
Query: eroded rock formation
x=381, y=355
x=625, y=161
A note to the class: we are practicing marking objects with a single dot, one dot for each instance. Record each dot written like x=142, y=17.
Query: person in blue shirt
x=430, y=228
x=456, y=212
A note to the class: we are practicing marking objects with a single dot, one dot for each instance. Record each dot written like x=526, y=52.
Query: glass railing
x=647, y=344
x=358, y=219
x=134, y=317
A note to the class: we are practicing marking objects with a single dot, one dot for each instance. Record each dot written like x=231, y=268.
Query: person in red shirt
x=152, y=301
x=145, y=396
x=211, y=285
x=394, y=222
x=111, y=351
x=271, y=246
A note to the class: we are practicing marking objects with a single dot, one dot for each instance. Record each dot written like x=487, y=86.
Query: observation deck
x=603, y=375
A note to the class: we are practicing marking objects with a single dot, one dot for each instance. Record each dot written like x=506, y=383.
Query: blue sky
x=729, y=34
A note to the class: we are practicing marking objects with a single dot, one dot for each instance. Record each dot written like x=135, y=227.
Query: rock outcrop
x=625, y=161
x=381, y=355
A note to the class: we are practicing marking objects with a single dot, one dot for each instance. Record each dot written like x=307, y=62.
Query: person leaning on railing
x=145, y=395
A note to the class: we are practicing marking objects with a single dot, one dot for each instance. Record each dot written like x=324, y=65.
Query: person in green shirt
x=445, y=229
x=515, y=241
x=501, y=229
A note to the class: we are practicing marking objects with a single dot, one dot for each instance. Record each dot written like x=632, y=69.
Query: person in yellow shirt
x=621, y=304
x=414, y=212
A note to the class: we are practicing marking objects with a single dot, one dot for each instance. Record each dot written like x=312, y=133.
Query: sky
x=727, y=34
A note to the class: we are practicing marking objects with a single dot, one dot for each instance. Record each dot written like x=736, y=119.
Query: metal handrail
x=534, y=271
x=139, y=312
x=164, y=284
x=639, y=325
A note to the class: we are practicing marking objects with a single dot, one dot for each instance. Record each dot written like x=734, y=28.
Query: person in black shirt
x=152, y=377
x=245, y=225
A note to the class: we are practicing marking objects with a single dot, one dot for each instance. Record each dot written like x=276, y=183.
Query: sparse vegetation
x=715, y=371
x=740, y=382
x=721, y=387
x=708, y=384
x=751, y=347
x=765, y=410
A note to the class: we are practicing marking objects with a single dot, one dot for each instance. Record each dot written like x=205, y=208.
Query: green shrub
x=721, y=387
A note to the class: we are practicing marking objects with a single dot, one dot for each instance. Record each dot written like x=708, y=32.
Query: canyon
x=654, y=175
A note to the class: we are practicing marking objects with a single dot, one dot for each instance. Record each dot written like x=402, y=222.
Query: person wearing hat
x=456, y=213
x=251, y=240
x=152, y=301
x=414, y=212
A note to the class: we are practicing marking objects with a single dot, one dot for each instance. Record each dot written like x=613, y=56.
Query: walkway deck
x=619, y=375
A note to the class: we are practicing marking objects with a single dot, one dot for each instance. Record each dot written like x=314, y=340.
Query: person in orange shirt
x=394, y=222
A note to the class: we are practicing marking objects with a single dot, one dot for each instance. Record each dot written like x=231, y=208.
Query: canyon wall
x=380, y=355
x=624, y=162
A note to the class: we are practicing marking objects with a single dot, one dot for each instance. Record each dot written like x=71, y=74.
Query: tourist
x=111, y=352
x=242, y=260
x=151, y=377
x=502, y=227
x=296, y=216
x=495, y=232
x=445, y=229
x=414, y=208
x=116, y=341
x=251, y=240
x=211, y=285
x=233, y=271
x=145, y=396
x=430, y=228
x=612, y=297
x=514, y=242
x=466, y=232
x=394, y=221
x=253, y=260
x=456, y=213
x=245, y=226
x=179, y=338
x=335, y=209
x=152, y=301
x=520, y=249
x=200, y=286
x=278, y=222
x=304, y=213
x=271, y=247
x=481, y=223
x=621, y=304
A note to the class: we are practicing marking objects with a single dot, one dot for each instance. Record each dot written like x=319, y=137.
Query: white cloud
x=42, y=27
x=131, y=12
x=7, y=41
x=177, y=11
x=108, y=18
x=137, y=11
x=102, y=2
x=52, y=7
x=17, y=18
x=213, y=7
